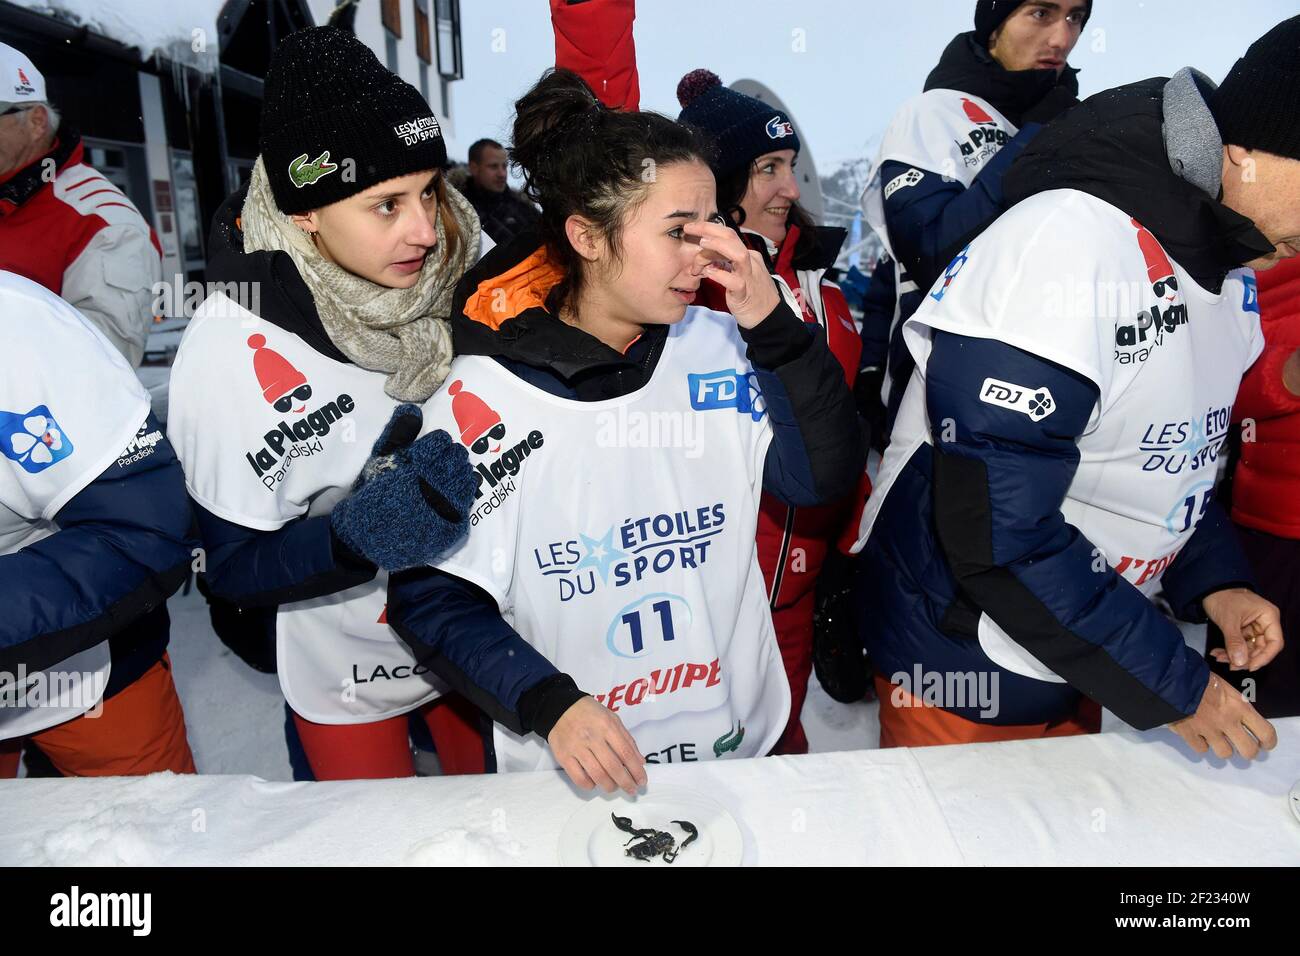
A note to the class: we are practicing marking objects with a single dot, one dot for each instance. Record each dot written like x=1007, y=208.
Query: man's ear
x=39, y=118
x=306, y=221
x=1238, y=165
x=584, y=237
x=993, y=40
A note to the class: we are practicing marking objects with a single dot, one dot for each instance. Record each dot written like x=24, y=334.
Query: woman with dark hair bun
x=607, y=608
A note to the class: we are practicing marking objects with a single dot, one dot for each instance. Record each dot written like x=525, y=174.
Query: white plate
x=1294, y=800
x=589, y=838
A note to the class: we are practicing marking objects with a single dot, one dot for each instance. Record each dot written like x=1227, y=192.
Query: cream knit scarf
x=403, y=332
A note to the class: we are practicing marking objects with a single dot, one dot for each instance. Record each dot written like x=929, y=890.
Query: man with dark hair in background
x=503, y=212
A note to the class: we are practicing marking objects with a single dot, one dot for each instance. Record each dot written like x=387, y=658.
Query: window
x=186, y=197
x=390, y=52
x=422, y=32
x=390, y=11
x=447, y=15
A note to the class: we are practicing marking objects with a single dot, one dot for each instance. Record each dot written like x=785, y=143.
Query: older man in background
x=65, y=226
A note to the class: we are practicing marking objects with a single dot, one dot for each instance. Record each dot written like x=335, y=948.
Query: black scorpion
x=654, y=842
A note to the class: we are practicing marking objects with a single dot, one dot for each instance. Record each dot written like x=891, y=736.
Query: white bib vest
x=617, y=538
x=269, y=430
x=944, y=133
x=1070, y=278
x=69, y=408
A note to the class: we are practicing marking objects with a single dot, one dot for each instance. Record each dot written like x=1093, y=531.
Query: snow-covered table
x=1116, y=798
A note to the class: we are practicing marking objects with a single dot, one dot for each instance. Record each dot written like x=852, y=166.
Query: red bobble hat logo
x=1159, y=271
x=974, y=112
x=281, y=382
x=479, y=425
x=22, y=77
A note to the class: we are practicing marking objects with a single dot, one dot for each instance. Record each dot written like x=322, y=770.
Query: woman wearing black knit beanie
x=756, y=149
x=295, y=411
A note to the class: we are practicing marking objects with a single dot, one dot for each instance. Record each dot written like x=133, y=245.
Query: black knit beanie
x=335, y=122
x=742, y=128
x=1257, y=106
x=991, y=14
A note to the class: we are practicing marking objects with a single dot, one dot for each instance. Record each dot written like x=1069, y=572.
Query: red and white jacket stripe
x=83, y=239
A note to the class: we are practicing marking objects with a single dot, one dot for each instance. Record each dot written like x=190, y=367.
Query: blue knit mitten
x=413, y=498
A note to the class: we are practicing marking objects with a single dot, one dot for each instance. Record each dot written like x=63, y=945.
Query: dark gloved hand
x=413, y=498
x=1058, y=99
x=866, y=395
x=839, y=661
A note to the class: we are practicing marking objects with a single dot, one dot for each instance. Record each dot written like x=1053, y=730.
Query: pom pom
x=694, y=83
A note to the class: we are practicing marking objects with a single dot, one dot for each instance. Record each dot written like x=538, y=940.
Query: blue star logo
x=1196, y=440
x=600, y=554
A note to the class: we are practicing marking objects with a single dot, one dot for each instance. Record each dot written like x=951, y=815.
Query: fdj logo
x=1250, y=294
x=34, y=440
x=950, y=273
x=1037, y=403
x=727, y=389
x=648, y=623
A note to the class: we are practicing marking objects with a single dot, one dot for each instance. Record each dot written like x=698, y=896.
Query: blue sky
x=859, y=59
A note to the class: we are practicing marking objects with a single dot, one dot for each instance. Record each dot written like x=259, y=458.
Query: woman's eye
x=386, y=208
x=676, y=233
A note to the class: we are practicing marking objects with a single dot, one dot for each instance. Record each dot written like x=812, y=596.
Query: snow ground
x=234, y=714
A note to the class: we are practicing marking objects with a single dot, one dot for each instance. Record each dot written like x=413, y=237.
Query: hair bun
x=694, y=83
x=546, y=120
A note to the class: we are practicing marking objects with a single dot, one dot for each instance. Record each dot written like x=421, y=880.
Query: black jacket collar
x=967, y=66
x=830, y=239
x=820, y=254
x=485, y=197
x=534, y=336
x=1112, y=146
x=283, y=297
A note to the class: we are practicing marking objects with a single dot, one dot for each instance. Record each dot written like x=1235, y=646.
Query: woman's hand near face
x=724, y=258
